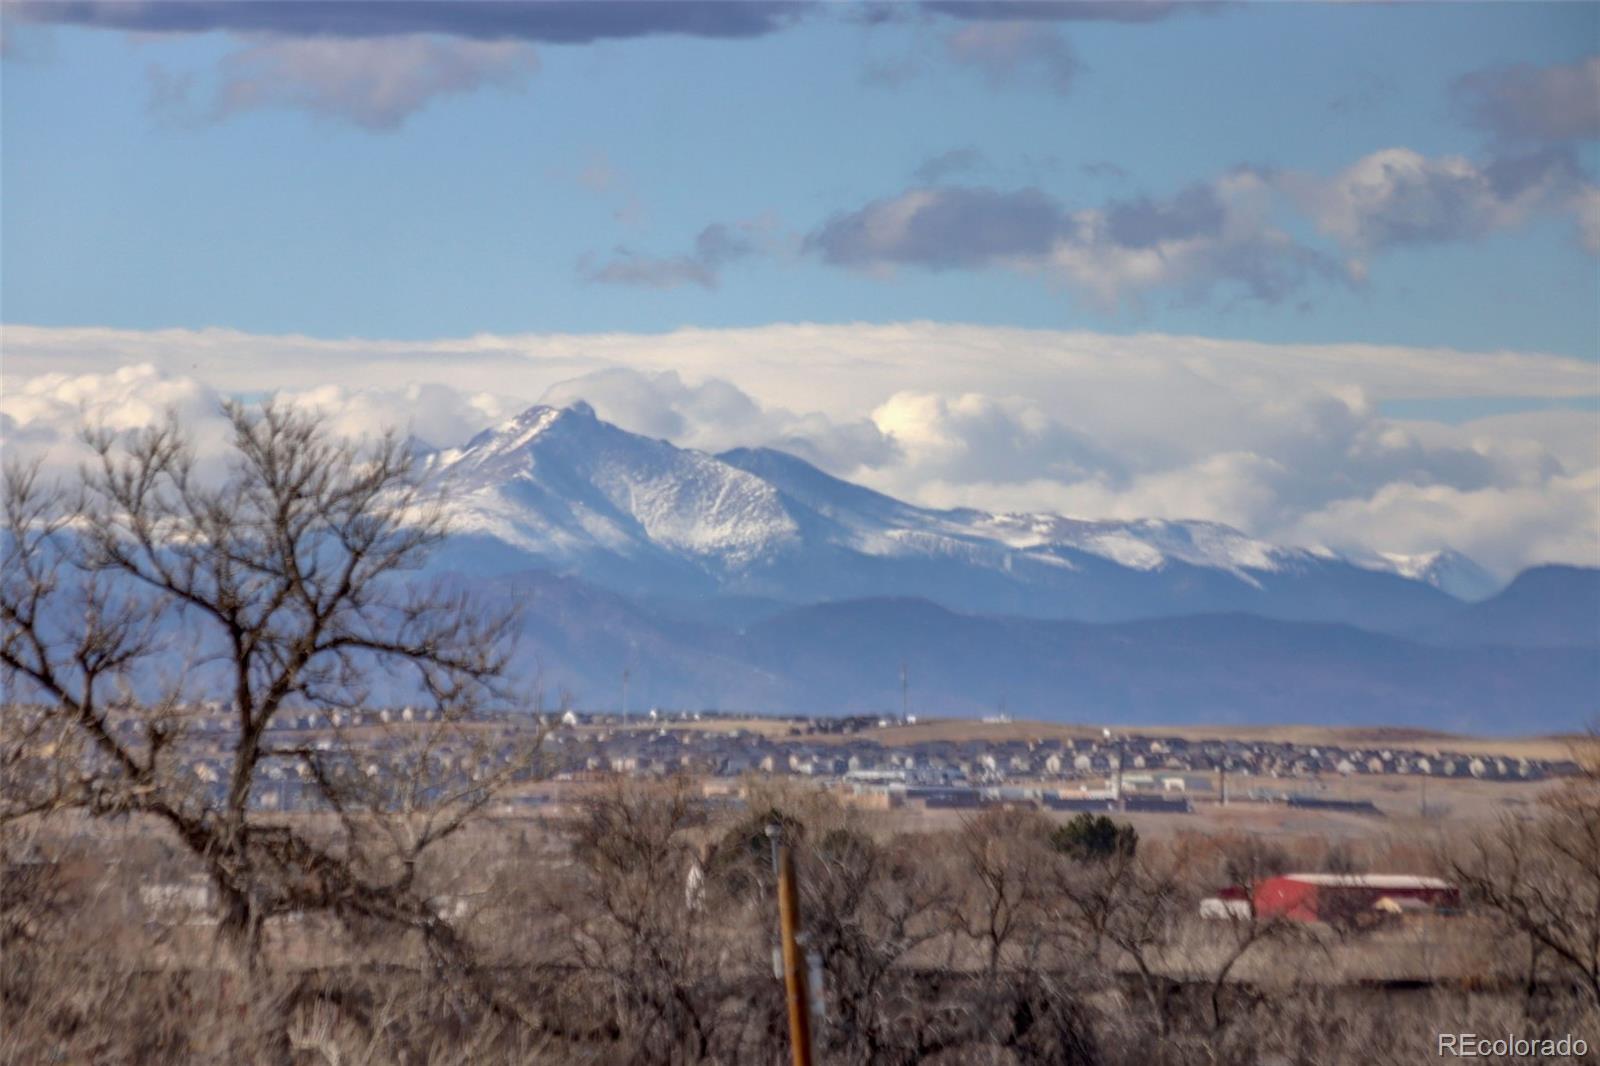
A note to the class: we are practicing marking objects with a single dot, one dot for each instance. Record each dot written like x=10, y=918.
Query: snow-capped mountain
x=558, y=489
x=1447, y=570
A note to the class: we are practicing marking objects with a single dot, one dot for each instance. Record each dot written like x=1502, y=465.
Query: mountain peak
x=521, y=429
x=563, y=489
x=1445, y=569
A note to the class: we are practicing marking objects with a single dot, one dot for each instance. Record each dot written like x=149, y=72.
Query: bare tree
x=1541, y=877
x=1020, y=1006
x=1122, y=909
x=285, y=583
x=662, y=965
x=1007, y=856
x=1245, y=861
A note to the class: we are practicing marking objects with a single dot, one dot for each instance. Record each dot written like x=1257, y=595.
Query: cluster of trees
x=644, y=931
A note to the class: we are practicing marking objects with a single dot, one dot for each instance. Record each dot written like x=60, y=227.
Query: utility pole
x=794, y=963
x=626, y=675
x=1424, y=806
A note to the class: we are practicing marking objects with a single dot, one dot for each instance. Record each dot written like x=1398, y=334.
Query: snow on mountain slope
x=1144, y=544
x=1140, y=545
x=557, y=488
x=560, y=484
x=1446, y=570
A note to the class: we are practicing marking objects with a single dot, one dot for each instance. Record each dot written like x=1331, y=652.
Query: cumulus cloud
x=433, y=415
x=42, y=416
x=1288, y=442
x=1503, y=528
x=942, y=228
x=1229, y=235
x=376, y=83
x=1524, y=103
x=1398, y=196
x=978, y=438
x=1211, y=234
x=1286, y=461
x=1207, y=236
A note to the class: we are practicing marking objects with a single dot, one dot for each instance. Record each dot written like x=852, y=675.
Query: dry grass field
x=1559, y=746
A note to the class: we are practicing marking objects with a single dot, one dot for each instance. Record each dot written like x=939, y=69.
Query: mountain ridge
x=560, y=489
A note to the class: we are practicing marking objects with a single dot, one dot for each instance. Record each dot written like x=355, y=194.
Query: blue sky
x=132, y=201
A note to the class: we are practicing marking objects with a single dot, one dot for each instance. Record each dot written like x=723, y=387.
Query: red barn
x=1331, y=897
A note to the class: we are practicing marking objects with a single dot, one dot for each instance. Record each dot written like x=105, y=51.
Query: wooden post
x=794, y=963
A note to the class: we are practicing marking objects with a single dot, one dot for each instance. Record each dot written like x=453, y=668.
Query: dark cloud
x=1063, y=11
x=714, y=248
x=719, y=244
x=942, y=228
x=1144, y=223
x=1206, y=237
x=627, y=267
x=1528, y=104
x=1512, y=175
x=955, y=161
x=556, y=22
x=1398, y=196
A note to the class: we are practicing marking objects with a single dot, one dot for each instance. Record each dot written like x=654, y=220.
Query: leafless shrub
x=1540, y=876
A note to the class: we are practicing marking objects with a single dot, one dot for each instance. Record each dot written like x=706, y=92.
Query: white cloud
x=1398, y=196
x=435, y=414
x=41, y=416
x=1228, y=234
x=1566, y=435
x=840, y=370
x=974, y=438
x=715, y=415
x=376, y=82
x=1212, y=235
x=1285, y=441
x=1502, y=528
